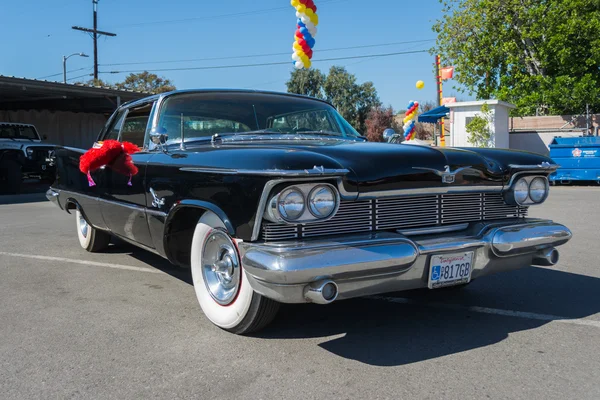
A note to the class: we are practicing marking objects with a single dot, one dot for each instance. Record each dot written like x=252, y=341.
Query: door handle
x=157, y=202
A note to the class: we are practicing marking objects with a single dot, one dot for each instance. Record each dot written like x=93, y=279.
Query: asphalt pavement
x=125, y=324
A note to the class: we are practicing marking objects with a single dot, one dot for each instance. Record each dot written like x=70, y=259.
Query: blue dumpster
x=578, y=157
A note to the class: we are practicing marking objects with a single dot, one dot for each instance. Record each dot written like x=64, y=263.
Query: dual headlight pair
x=304, y=203
x=529, y=190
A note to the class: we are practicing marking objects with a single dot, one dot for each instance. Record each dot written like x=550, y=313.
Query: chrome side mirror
x=388, y=134
x=159, y=137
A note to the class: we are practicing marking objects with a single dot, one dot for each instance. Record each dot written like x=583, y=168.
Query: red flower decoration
x=113, y=154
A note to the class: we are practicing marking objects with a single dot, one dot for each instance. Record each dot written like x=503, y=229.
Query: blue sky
x=37, y=33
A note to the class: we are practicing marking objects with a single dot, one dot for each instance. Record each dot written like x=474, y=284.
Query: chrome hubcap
x=83, y=226
x=221, y=267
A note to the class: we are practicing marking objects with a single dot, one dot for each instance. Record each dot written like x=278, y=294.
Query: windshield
x=205, y=114
x=17, y=132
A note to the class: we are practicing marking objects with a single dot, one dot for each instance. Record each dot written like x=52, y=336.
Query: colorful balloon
x=409, y=119
x=306, y=30
x=420, y=85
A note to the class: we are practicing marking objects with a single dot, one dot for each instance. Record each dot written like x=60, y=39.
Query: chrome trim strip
x=431, y=231
x=130, y=206
x=544, y=166
x=429, y=190
x=316, y=171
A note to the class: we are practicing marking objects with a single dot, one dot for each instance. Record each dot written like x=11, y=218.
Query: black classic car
x=274, y=198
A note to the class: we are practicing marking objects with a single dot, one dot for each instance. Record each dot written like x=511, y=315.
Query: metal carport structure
x=68, y=114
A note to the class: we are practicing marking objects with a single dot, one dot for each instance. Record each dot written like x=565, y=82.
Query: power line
x=265, y=64
x=80, y=76
x=68, y=72
x=238, y=14
x=264, y=55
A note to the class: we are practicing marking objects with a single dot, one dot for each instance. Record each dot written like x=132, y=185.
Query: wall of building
x=63, y=128
x=551, y=122
x=536, y=142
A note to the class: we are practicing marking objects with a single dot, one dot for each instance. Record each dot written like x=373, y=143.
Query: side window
x=134, y=126
x=113, y=132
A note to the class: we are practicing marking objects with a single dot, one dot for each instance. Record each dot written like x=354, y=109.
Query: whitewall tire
x=220, y=283
x=90, y=238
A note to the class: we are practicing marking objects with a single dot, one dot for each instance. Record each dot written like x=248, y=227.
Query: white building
x=463, y=112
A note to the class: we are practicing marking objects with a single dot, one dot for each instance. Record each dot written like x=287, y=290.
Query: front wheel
x=90, y=238
x=220, y=283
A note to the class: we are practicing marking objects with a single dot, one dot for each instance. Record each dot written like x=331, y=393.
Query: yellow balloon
x=294, y=3
x=309, y=12
x=420, y=85
x=314, y=19
x=301, y=8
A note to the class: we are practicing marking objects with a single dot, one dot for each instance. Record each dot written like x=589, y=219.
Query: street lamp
x=65, y=63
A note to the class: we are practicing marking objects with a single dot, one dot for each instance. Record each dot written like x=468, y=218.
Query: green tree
x=479, y=128
x=146, y=82
x=542, y=55
x=308, y=82
x=352, y=100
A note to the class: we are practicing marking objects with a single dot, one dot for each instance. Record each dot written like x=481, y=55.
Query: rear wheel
x=220, y=283
x=90, y=238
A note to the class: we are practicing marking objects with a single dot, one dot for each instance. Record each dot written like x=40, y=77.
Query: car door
x=123, y=203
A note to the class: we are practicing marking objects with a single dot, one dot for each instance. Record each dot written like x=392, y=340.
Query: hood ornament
x=448, y=176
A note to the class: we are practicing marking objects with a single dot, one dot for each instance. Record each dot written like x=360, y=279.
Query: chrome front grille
x=400, y=213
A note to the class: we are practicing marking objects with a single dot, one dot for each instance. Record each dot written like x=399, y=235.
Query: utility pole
x=95, y=33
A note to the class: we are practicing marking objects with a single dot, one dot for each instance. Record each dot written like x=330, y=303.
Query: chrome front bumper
x=384, y=262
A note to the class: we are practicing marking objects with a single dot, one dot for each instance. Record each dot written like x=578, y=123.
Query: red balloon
x=309, y=53
x=315, y=8
x=299, y=35
x=302, y=1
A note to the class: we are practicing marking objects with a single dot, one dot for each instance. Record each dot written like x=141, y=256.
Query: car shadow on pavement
x=152, y=260
x=384, y=333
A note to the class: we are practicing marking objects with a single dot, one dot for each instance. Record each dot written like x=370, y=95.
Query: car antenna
x=182, y=144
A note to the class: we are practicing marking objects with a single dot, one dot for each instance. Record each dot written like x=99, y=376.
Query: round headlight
x=290, y=204
x=537, y=190
x=322, y=201
x=521, y=191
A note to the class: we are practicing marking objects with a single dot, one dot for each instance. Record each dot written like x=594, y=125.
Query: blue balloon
x=299, y=22
x=311, y=42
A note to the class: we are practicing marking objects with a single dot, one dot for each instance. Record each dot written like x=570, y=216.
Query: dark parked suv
x=23, y=155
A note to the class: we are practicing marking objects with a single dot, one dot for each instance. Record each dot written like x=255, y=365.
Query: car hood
x=374, y=167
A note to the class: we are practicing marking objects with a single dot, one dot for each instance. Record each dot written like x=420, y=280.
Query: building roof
x=479, y=103
x=32, y=94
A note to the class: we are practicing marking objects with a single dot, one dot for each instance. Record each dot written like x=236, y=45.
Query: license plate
x=450, y=269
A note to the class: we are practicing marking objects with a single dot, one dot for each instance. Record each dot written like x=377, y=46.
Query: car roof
x=176, y=92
